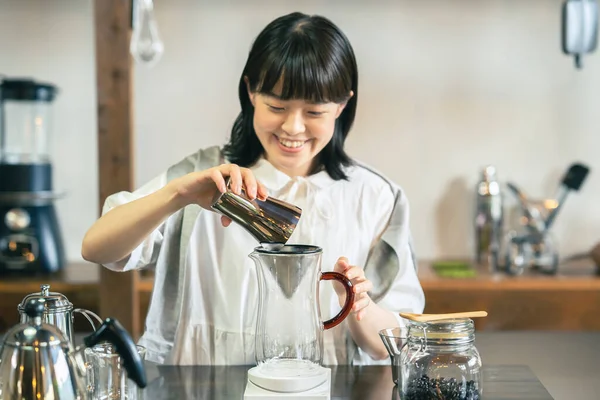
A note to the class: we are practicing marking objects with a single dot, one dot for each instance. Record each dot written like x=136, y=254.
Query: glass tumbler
x=108, y=378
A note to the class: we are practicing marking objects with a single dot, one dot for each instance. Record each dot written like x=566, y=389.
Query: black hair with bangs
x=315, y=62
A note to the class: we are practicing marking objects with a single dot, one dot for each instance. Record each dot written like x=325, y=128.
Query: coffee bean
x=425, y=388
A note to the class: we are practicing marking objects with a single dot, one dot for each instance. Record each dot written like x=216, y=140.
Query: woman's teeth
x=291, y=143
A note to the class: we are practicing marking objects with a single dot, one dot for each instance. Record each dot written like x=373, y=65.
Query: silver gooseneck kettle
x=39, y=362
x=58, y=311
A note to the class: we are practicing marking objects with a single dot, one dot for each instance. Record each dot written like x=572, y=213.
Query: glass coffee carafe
x=289, y=332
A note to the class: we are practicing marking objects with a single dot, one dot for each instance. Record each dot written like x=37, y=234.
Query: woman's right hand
x=201, y=187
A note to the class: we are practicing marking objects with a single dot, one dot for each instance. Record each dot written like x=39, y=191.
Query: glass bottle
x=440, y=361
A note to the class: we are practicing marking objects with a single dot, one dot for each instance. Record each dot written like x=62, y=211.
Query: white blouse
x=220, y=293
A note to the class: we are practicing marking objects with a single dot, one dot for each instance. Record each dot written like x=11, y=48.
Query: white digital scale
x=315, y=386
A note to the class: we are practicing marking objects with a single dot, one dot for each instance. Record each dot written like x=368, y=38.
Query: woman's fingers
x=225, y=221
x=250, y=184
x=217, y=177
x=261, y=192
x=236, y=181
x=361, y=302
x=362, y=285
x=240, y=178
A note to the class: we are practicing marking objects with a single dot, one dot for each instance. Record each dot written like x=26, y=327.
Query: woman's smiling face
x=293, y=132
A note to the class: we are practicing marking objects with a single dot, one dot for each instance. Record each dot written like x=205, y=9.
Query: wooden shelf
x=579, y=275
x=72, y=280
x=568, y=301
x=77, y=276
x=80, y=282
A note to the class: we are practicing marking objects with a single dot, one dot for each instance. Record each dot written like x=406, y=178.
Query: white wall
x=445, y=88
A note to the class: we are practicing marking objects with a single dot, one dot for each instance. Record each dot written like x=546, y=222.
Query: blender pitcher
x=289, y=331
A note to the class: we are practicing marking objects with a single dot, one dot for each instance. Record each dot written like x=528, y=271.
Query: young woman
x=298, y=94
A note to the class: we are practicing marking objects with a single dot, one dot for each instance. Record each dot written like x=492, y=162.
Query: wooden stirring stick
x=440, y=317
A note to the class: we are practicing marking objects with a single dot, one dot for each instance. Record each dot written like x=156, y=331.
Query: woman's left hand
x=361, y=286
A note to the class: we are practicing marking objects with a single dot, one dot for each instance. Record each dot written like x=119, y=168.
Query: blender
x=30, y=236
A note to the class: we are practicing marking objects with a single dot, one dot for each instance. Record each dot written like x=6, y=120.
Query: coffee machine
x=30, y=236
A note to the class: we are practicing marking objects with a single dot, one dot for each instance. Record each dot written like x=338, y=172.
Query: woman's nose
x=293, y=124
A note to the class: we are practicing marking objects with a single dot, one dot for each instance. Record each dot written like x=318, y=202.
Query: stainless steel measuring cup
x=271, y=221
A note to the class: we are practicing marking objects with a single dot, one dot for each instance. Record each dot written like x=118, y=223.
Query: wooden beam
x=114, y=79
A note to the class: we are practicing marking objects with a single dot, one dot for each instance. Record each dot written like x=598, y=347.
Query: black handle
x=575, y=176
x=35, y=308
x=113, y=332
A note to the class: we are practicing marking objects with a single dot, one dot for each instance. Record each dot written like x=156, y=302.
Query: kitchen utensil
x=535, y=220
x=109, y=378
x=572, y=181
x=38, y=362
x=58, y=311
x=441, y=317
x=530, y=251
x=394, y=340
x=31, y=239
x=271, y=222
x=289, y=331
x=489, y=217
x=536, y=248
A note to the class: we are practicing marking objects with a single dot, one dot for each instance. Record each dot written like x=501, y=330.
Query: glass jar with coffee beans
x=440, y=361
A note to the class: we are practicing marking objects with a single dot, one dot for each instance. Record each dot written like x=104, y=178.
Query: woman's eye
x=276, y=109
x=316, y=113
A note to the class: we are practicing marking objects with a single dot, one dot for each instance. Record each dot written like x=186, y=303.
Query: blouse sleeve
x=146, y=253
x=391, y=264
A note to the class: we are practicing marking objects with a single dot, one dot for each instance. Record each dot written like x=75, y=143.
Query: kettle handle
x=113, y=332
x=336, y=276
x=86, y=314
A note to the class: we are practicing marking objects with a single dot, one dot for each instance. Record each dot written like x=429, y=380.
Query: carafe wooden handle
x=336, y=276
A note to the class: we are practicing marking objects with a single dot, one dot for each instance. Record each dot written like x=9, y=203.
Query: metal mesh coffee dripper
x=287, y=267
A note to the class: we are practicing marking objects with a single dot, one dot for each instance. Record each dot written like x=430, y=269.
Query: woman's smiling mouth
x=290, y=145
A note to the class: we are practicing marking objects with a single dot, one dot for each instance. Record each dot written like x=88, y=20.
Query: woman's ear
x=343, y=105
x=251, y=95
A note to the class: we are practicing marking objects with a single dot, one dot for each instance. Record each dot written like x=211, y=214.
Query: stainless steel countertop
x=565, y=362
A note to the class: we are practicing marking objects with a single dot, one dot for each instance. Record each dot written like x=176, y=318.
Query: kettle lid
x=34, y=333
x=54, y=302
